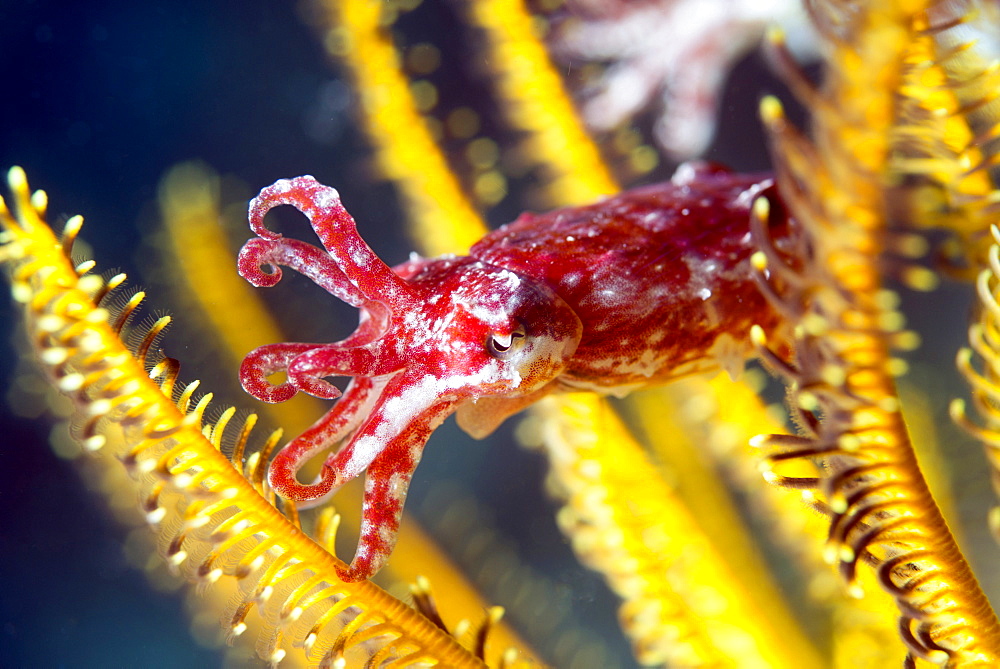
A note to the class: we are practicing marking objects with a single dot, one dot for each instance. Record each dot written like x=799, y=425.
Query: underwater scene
x=750, y=497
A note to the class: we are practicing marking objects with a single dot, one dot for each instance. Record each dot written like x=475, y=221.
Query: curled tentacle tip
x=310, y=381
x=282, y=475
x=318, y=388
x=270, y=359
x=305, y=495
x=265, y=392
x=253, y=258
x=282, y=191
x=253, y=378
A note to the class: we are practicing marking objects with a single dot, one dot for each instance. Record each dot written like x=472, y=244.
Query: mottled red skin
x=648, y=285
x=659, y=248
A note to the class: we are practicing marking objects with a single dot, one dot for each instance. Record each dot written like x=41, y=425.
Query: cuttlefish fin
x=481, y=418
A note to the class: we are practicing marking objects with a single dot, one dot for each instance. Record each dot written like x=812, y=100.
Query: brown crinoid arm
x=841, y=381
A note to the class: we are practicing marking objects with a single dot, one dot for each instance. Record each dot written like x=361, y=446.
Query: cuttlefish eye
x=503, y=347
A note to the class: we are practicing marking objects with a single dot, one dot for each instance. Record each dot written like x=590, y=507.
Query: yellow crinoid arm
x=212, y=520
x=442, y=219
x=946, y=141
x=700, y=431
x=841, y=385
x=687, y=602
x=536, y=103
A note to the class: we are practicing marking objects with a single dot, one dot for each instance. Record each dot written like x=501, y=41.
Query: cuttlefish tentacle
x=306, y=371
x=338, y=233
x=389, y=446
x=381, y=430
x=334, y=427
x=270, y=359
x=305, y=259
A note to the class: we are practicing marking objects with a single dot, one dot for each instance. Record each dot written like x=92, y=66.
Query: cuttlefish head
x=434, y=337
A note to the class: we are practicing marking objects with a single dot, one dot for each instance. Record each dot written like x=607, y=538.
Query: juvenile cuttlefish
x=639, y=288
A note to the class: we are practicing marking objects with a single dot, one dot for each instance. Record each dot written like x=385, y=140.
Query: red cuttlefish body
x=642, y=287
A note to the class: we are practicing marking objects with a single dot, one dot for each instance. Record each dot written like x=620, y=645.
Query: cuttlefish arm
x=434, y=336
